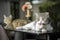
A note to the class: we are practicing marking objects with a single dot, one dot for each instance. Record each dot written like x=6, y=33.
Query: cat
x=15, y=23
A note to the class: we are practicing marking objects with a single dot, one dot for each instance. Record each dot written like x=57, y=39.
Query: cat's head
x=7, y=19
x=41, y=16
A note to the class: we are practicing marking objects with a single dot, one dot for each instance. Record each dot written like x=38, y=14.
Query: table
x=51, y=35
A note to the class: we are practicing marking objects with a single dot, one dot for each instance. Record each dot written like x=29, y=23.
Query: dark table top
x=32, y=32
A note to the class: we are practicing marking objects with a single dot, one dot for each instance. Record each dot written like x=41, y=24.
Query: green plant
x=43, y=7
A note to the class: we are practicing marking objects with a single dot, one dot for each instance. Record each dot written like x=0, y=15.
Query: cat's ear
x=4, y=16
x=10, y=16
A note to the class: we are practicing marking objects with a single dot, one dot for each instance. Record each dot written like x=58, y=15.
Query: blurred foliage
x=53, y=7
x=45, y=4
x=54, y=0
x=54, y=11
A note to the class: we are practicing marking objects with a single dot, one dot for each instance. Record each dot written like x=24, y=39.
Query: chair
x=3, y=35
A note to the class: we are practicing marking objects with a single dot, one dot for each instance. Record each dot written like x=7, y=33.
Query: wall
x=35, y=10
x=4, y=9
